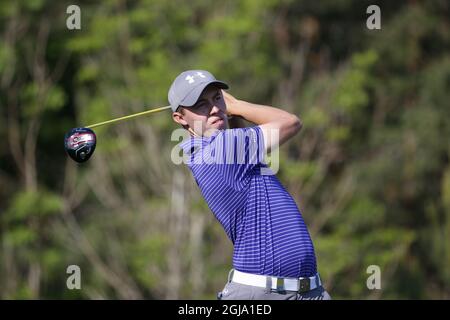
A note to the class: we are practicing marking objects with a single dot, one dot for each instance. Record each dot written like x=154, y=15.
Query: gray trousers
x=237, y=291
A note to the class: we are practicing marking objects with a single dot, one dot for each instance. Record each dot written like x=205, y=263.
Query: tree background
x=370, y=169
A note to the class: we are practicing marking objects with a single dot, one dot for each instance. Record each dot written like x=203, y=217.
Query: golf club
x=80, y=143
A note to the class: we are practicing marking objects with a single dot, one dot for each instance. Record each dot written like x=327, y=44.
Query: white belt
x=279, y=284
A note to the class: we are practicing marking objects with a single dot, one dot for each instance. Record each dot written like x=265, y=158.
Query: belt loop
x=230, y=275
x=268, y=284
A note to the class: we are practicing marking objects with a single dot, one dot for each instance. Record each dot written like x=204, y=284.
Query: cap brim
x=193, y=96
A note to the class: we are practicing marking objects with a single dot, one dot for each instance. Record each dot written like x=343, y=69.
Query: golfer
x=273, y=254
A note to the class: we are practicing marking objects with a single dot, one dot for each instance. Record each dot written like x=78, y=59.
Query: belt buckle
x=280, y=285
x=304, y=285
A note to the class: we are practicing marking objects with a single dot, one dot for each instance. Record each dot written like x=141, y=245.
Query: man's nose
x=214, y=109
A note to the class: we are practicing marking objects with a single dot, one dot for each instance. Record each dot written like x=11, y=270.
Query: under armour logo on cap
x=191, y=77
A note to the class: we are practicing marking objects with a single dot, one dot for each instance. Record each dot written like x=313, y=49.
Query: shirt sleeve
x=239, y=155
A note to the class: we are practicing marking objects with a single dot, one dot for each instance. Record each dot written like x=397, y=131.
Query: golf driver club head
x=80, y=143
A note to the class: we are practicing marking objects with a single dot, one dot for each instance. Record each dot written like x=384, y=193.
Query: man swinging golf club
x=273, y=253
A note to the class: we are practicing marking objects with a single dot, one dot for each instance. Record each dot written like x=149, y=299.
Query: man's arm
x=271, y=120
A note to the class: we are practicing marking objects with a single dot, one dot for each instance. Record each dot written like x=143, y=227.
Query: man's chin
x=213, y=128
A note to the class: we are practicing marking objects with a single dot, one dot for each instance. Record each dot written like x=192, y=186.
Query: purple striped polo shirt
x=257, y=213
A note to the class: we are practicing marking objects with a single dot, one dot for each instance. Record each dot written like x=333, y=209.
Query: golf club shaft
x=128, y=117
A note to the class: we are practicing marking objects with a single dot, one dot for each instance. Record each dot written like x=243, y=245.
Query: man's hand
x=277, y=125
x=231, y=102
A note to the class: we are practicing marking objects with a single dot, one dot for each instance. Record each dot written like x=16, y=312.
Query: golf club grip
x=127, y=117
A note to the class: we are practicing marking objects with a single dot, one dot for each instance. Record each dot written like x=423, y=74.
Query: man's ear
x=178, y=118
